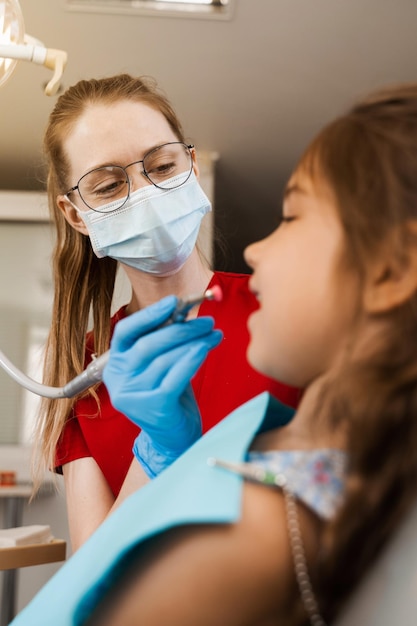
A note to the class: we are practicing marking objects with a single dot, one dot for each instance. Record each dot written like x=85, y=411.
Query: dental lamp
x=16, y=46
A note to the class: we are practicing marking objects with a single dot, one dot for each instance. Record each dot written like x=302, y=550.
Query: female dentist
x=123, y=191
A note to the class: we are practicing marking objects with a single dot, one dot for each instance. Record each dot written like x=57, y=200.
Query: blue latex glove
x=148, y=378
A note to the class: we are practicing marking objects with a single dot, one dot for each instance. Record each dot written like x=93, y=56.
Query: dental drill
x=94, y=370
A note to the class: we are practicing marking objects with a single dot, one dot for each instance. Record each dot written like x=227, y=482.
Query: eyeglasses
x=167, y=167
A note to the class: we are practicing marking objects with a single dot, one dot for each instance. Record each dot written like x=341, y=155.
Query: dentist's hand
x=148, y=378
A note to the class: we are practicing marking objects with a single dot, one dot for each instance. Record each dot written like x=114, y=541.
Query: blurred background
x=254, y=87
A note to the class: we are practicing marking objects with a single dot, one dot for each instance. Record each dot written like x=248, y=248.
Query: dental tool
x=250, y=471
x=94, y=370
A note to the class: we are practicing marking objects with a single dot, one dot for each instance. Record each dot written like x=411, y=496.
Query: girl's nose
x=249, y=254
x=253, y=253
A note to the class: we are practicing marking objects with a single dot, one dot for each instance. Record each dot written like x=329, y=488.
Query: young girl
x=337, y=288
x=123, y=192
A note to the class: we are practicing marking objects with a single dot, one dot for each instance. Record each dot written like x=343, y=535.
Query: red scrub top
x=223, y=382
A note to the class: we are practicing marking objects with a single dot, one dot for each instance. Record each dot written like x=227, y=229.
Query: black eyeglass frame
x=144, y=173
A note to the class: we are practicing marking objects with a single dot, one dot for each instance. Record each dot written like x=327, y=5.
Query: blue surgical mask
x=155, y=231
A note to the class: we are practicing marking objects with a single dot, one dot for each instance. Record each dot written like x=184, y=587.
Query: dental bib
x=188, y=492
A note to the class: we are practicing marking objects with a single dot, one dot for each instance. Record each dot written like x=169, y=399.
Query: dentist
x=124, y=193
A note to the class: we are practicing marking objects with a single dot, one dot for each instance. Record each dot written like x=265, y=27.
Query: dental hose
x=94, y=370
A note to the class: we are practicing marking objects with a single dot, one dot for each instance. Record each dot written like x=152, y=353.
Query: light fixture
x=16, y=46
x=194, y=9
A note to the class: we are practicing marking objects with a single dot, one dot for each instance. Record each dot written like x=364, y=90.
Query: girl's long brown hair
x=83, y=284
x=369, y=159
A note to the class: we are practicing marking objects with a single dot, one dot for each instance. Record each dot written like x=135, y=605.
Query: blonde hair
x=83, y=284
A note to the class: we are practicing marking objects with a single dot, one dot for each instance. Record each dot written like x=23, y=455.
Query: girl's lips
x=253, y=290
x=257, y=295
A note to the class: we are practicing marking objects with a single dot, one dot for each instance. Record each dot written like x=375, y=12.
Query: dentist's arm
x=148, y=378
x=89, y=498
x=149, y=382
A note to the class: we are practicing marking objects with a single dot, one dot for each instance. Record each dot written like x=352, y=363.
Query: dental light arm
x=16, y=46
x=34, y=51
x=94, y=370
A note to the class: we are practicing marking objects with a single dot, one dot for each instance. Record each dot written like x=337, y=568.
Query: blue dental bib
x=188, y=492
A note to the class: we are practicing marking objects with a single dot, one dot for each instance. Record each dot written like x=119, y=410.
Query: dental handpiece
x=94, y=370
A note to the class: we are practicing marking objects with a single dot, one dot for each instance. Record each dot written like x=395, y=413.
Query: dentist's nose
x=137, y=177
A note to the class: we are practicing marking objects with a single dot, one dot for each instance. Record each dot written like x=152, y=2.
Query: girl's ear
x=71, y=215
x=393, y=279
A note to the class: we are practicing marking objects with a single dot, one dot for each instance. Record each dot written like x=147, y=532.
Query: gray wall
x=255, y=88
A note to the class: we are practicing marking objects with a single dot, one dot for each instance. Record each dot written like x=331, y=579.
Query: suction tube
x=94, y=370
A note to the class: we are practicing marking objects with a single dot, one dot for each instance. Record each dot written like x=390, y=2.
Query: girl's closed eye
x=287, y=218
x=287, y=212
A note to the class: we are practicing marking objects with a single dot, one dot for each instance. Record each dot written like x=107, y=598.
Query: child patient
x=267, y=520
